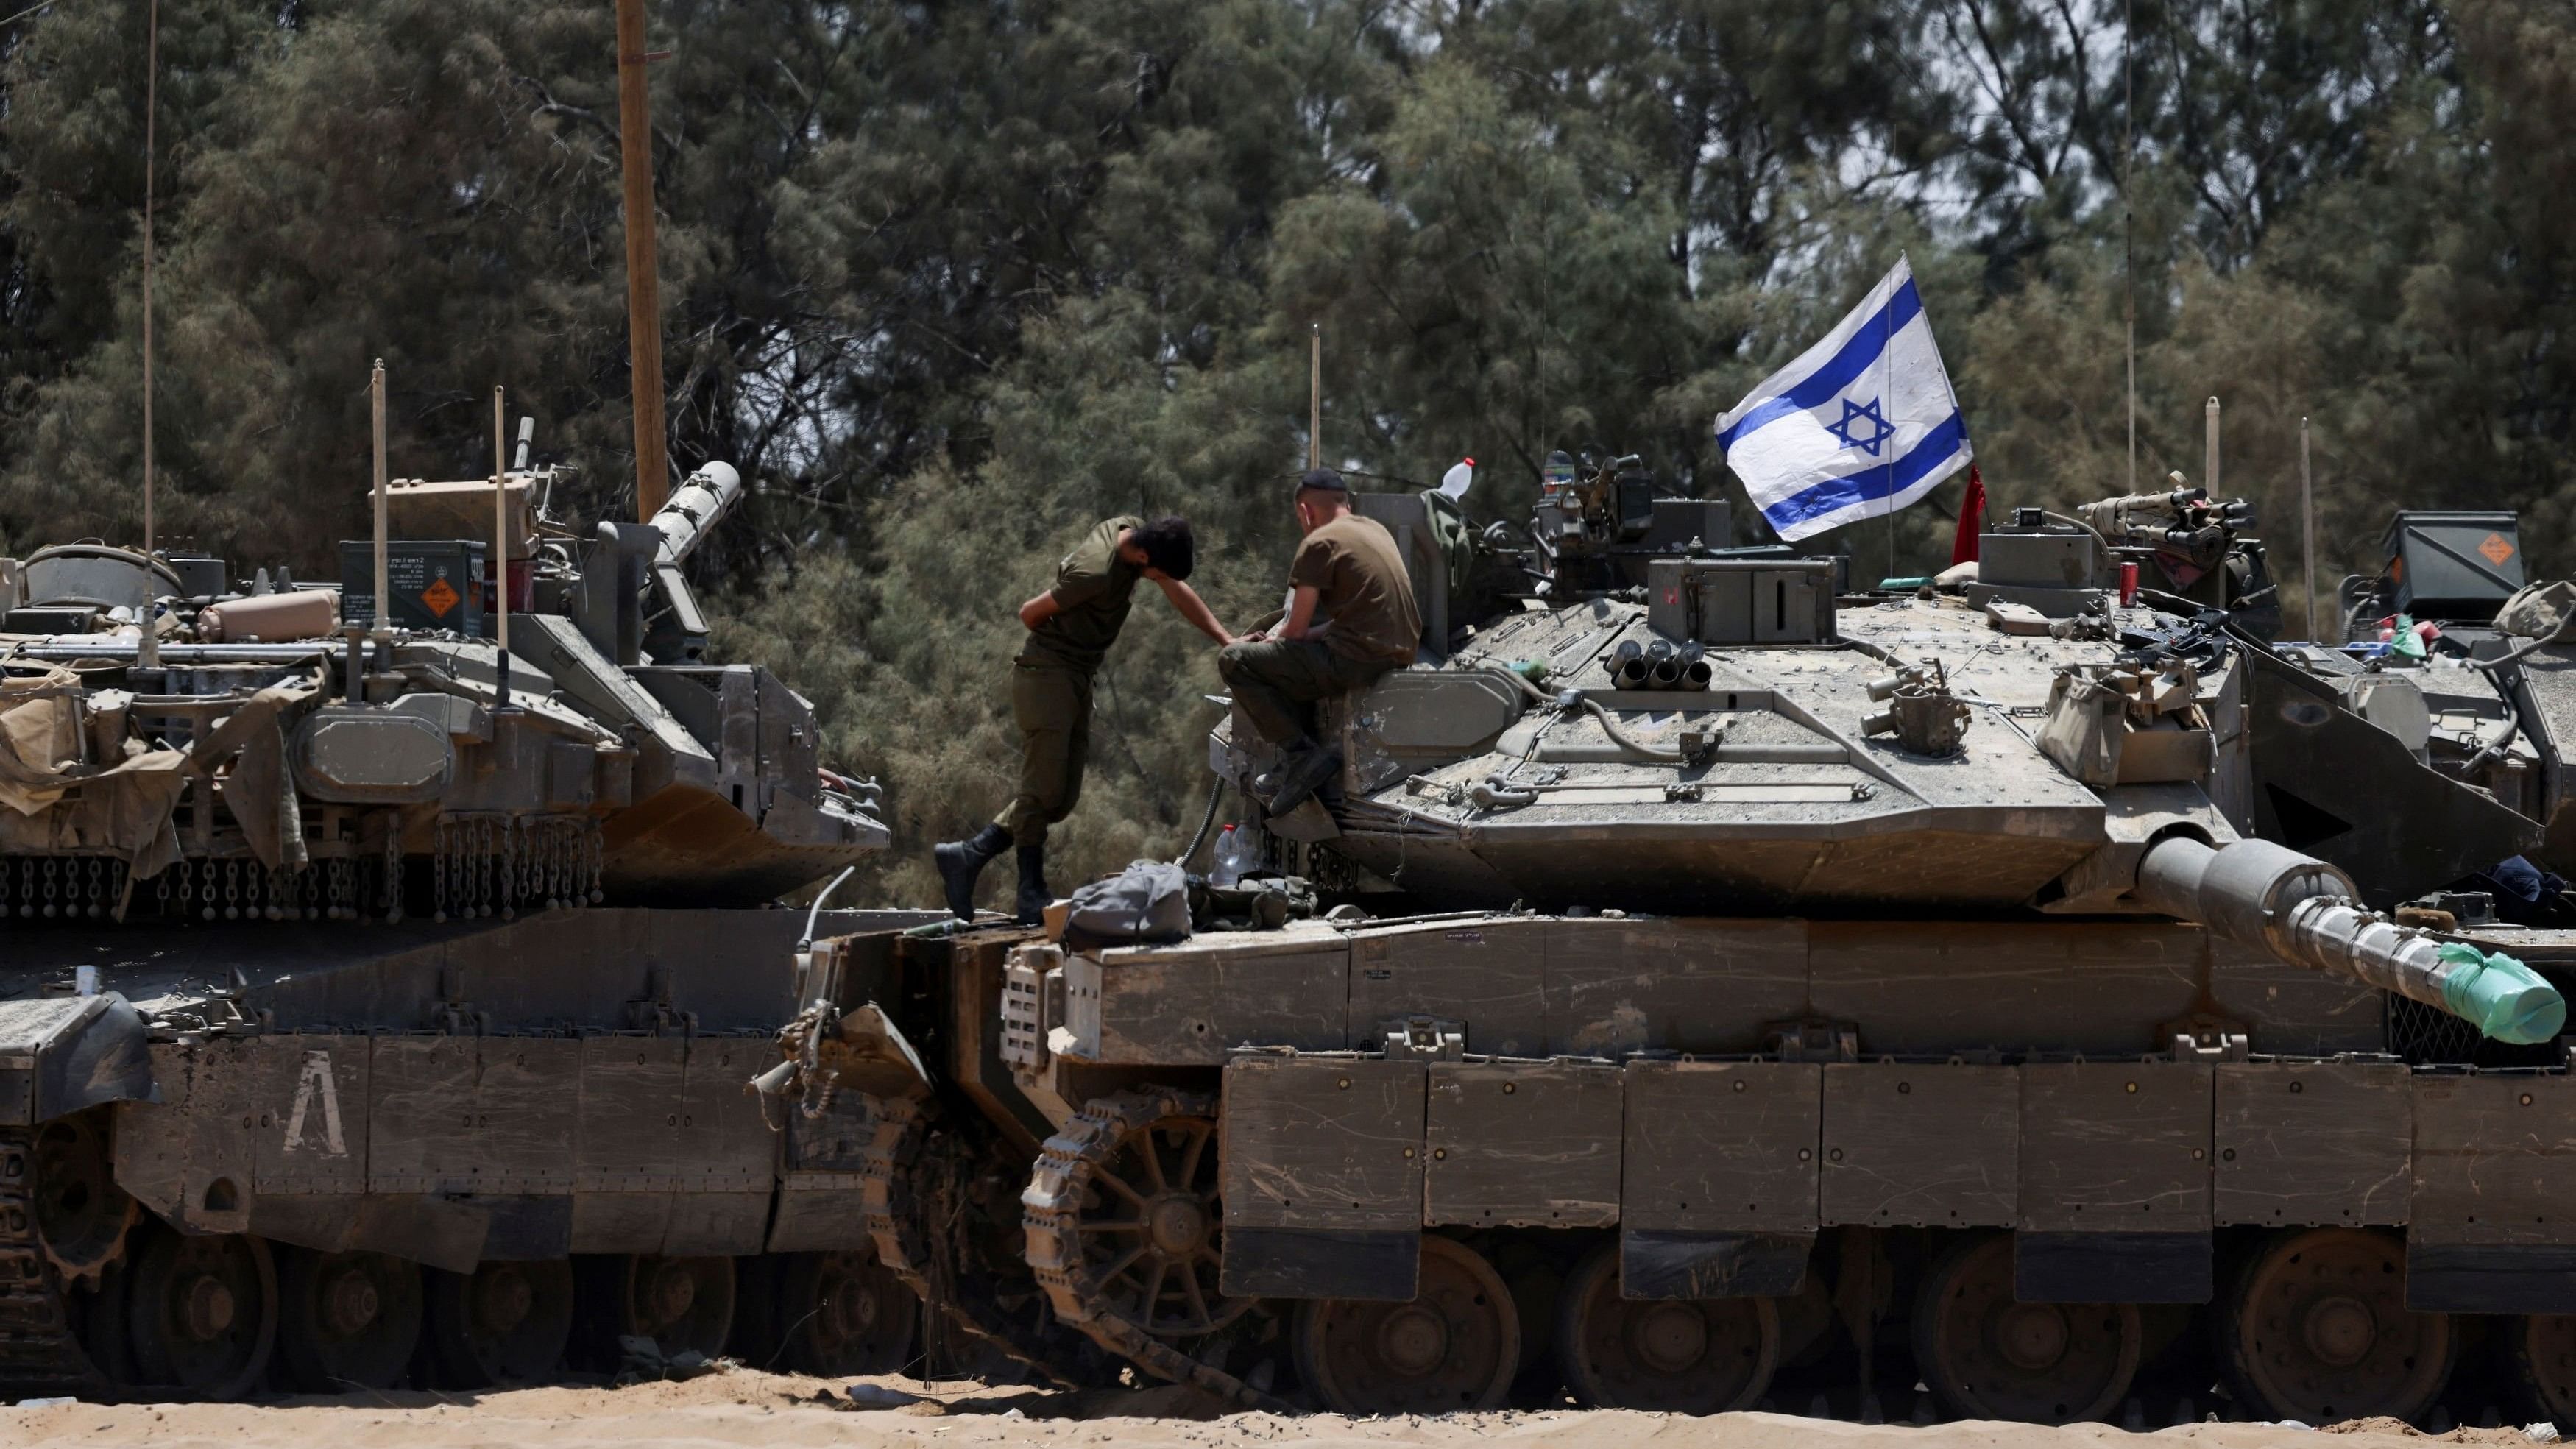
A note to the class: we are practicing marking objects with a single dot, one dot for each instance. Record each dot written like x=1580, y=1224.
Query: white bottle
x=1460, y=474
x=1228, y=867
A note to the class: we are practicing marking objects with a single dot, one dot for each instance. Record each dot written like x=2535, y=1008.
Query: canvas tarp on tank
x=59, y=800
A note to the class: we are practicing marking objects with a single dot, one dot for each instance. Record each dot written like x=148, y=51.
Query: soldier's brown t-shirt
x=1093, y=587
x=1362, y=588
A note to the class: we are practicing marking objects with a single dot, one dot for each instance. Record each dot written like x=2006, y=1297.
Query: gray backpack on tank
x=1147, y=903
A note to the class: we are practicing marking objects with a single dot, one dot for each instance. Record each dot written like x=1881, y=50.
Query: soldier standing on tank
x=1351, y=618
x=1071, y=627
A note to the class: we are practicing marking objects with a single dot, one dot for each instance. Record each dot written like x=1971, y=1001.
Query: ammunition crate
x=436, y=583
x=2452, y=565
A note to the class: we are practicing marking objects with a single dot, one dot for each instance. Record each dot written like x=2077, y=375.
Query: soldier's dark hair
x=1169, y=546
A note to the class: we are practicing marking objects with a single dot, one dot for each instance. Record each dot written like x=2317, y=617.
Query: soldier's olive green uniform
x=1363, y=598
x=1051, y=680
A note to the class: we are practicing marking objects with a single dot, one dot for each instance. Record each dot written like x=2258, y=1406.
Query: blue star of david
x=1854, y=437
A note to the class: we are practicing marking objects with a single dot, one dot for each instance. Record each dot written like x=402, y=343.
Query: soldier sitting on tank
x=1071, y=627
x=1350, y=619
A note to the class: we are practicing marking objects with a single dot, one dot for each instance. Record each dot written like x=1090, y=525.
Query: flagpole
x=1887, y=389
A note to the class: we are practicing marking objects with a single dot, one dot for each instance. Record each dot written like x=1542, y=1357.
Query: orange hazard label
x=2496, y=549
x=440, y=596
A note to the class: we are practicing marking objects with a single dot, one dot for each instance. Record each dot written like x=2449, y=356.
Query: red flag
x=1972, y=517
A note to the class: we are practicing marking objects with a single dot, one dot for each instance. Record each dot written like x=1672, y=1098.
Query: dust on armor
x=1733, y=987
x=380, y=1004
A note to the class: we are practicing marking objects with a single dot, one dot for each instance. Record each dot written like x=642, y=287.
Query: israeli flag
x=1858, y=427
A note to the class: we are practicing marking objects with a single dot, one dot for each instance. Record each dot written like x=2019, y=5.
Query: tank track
x=897, y=1215
x=1053, y=1208
x=39, y=1354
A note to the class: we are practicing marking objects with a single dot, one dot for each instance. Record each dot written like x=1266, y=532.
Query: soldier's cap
x=1323, y=478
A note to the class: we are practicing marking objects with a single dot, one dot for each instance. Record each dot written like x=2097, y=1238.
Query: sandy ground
x=778, y=1412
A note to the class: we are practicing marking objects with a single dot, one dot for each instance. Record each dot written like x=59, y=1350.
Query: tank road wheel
x=2544, y=1355
x=840, y=1314
x=81, y=1214
x=1455, y=1346
x=202, y=1313
x=1989, y=1356
x=679, y=1303
x=345, y=1320
x=1123, y=1215
x=1121, y=1225
x=2317, y=1330
x=504, y=1323
x=1708, y=1356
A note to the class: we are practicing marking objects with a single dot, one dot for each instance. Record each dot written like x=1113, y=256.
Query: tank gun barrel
x=2303, y=911
x=702, y=502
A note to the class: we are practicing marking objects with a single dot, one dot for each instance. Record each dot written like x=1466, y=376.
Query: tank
x=2453, y=649
x=1728, y=990
x=380, y=1003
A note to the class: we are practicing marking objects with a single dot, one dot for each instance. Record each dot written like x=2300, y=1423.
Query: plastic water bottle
x=1454, y=482
x=1229, y=866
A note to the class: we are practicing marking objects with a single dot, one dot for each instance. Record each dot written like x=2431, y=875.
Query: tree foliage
x=953, y=280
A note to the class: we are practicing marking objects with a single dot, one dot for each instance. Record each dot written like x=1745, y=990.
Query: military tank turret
x=1732, y=989
x=379, y=996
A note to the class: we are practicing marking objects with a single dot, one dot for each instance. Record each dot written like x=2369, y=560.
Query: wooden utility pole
x=1315, y=399
x=147, y=643
x=643, y=283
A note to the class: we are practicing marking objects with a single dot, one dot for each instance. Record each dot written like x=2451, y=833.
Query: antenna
x=384, y=631
x=643, y=283
x=2308, y=517
x=500, y=551
x=500, y=526
x=2209, y=464
x=1315, y=399
x=147, y=643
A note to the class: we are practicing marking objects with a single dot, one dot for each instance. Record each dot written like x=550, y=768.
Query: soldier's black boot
x=1034, y=895
x=1298, y=776
x=961, y=861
